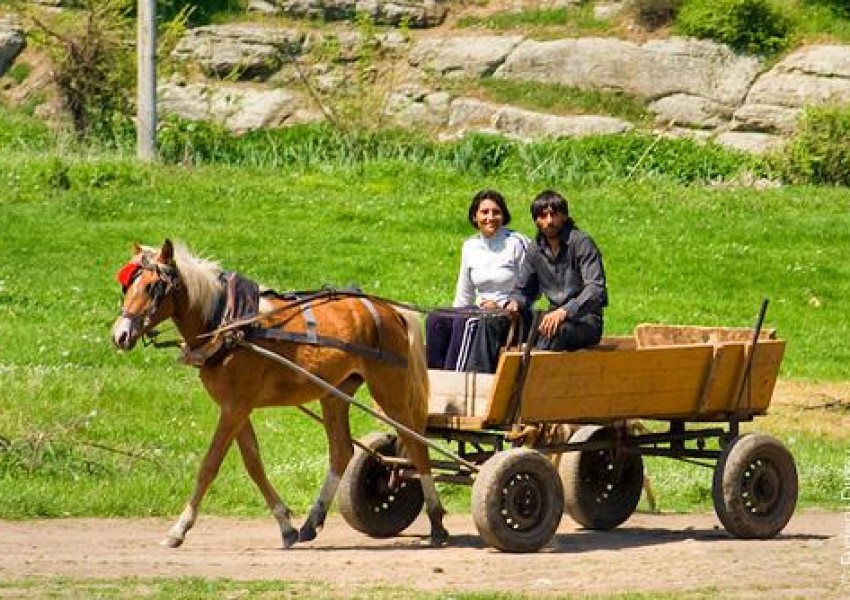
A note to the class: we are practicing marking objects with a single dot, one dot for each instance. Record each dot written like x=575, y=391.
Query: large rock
x=691, y=111
x=471, y=114
x=652, y=70
x=412, y=13
x=472, y=56
x=810, y=76
x=236, y=107
x=751, y=142
x=12, y=43
x=246, y=51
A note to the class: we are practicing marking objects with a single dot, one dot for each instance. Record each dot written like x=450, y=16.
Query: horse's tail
x=417, y=369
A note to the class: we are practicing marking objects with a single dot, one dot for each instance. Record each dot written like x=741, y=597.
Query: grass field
x=85, y=430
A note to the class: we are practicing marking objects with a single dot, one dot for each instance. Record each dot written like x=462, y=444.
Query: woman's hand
x=488, y=305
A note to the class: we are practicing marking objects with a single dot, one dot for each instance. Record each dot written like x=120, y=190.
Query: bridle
x=167, y=280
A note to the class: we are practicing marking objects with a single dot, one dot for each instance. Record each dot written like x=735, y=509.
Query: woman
x=465, y=338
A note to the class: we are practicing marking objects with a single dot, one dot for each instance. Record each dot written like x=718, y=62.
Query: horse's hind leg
x=418, y=454
x=250, y=450
x=228, y=424
x=335, y=415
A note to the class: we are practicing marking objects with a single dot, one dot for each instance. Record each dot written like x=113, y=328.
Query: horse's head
x=148, y=282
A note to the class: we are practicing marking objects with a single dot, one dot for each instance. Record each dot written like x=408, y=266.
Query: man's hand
x=551, y=322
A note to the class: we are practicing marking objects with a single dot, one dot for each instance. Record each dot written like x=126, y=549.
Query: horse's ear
x=166, y=254
x=136, y=248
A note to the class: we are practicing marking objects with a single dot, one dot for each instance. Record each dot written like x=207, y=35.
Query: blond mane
x=200, y=278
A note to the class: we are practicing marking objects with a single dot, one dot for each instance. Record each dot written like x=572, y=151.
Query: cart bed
x=661, y=372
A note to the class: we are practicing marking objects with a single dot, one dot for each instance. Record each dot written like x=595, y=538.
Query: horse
x=172, y=283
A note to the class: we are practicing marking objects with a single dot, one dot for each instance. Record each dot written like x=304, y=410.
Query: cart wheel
x=517, y=500
x=755, y=486
x=601, y=489
x=365, y=498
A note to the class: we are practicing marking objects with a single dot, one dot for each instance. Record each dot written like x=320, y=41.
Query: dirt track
x=649, y=553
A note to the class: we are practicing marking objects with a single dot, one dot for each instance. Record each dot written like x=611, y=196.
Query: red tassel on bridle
x=128, y=273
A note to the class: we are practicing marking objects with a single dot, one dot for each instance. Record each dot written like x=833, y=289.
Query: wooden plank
x=503, y=385
x=456, y=422
x=727, y=365
x=758, y=393
x=587, y=385
x=459, y=393
x=648, y=334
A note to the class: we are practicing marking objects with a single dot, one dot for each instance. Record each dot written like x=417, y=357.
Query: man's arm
x=527, y=287
x=594, y=294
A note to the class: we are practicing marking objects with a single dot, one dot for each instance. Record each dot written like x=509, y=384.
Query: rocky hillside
x=409, y=65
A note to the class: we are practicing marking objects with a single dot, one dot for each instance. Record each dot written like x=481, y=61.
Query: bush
x=818, y=153
x=840, y=8
x=652, y=14
x=751, y=26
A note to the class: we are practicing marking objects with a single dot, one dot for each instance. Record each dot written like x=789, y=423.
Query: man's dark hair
x=549, y=200
x=494, y=196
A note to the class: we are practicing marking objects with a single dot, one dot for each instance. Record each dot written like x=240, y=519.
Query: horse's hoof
x=307, y=534
x=439, y=539
x=172, y=542
x=290, y=538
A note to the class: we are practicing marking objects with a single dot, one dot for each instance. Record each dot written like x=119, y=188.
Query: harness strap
x=312, y=333
x=376, y=318
x=257, y=333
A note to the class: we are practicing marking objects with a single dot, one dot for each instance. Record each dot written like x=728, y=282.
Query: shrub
x=751, y=26
x=840, y=8
x=92, y=69
x=818, y=152
x=652, y=14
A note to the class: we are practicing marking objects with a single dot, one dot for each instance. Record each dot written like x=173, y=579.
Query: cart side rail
x=622, y=378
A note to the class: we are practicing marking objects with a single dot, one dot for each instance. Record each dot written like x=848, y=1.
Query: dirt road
x=650, y=553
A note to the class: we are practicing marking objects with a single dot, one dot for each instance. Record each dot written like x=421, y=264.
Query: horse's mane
x=200, y=278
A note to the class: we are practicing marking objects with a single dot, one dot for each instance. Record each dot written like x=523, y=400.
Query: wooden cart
x=697, y=383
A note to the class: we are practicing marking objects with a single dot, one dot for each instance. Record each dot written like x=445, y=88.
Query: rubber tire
x=517, y=500
x=755, y=486
x=593, y=496
x=364, y=499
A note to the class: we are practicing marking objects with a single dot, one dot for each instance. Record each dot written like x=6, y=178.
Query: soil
x=649, y=554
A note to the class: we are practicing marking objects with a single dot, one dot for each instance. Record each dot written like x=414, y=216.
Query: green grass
x=87, y=431
x=559, y=99
x=542, y=23
x=195, y=588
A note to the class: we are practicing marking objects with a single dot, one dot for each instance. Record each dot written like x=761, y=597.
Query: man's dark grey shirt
x=574, y=280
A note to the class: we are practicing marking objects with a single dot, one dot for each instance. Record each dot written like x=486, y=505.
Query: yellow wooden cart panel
x=663, y=372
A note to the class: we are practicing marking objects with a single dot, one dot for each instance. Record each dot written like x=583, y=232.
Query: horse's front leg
x=228, y=425
x=250, y=450
x=340, y=450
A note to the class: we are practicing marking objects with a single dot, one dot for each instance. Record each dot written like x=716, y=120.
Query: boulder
x=412, y=13
x=243, y=51
x=652, y=70
x=691, y=111
x=238, y=108
x=524, y=124
x=466, y=56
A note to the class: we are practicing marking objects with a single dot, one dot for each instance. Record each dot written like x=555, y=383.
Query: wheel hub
x=522, y=502
x=761, y=488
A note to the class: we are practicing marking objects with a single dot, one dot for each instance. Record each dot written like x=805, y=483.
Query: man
x=564, y=265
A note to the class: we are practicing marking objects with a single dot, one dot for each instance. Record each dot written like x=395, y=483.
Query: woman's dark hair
x=494, y=196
